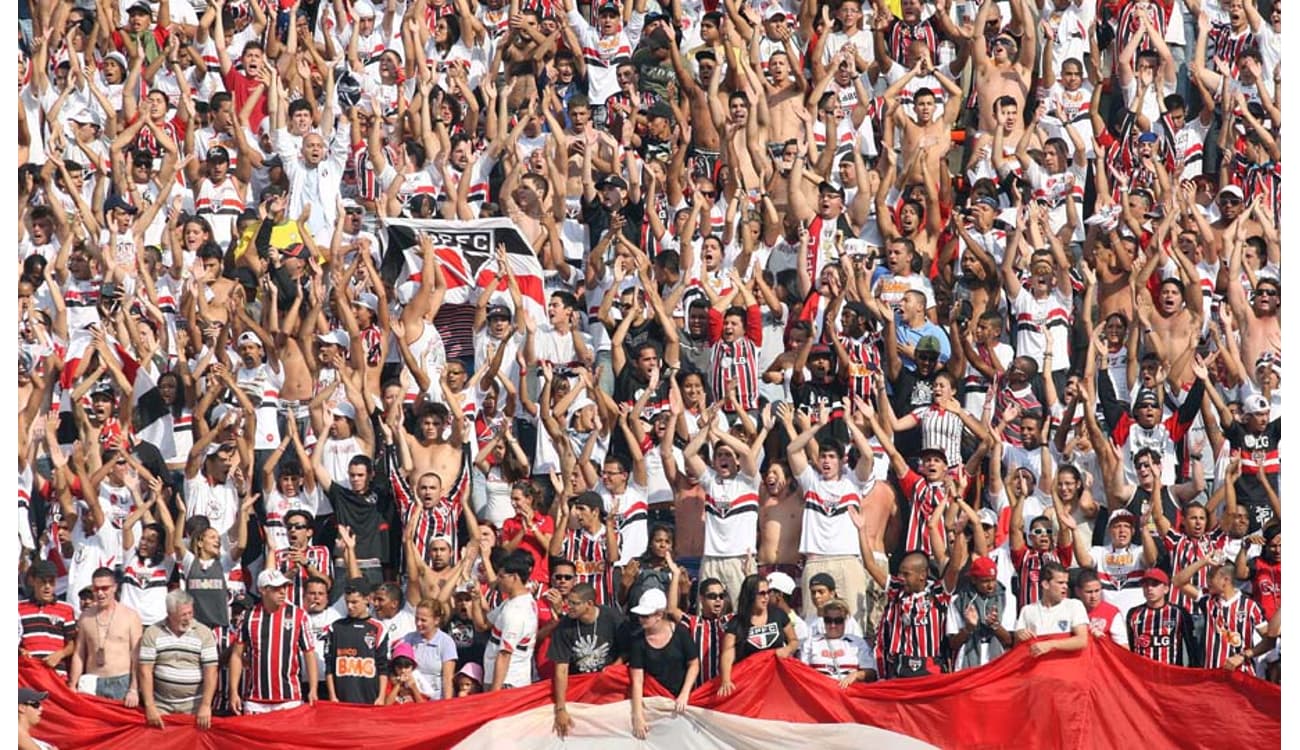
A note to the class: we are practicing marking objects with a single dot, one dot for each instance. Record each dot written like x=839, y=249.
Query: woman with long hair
x=149, y=562
x=664, y=650
x=529, y=528
x=755, y=627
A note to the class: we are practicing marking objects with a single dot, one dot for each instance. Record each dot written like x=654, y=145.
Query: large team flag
x=1103, y=697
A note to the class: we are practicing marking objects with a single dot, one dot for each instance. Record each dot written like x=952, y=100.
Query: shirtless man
x=1005, y=68
x=741, y=120
x=430, y=573
x=583, y=137
x=783, y=85
x=1111, y=257
x=780, y=521
x=208, y=291
x=109, y=645
x=447, y=458
x=1179, y=312
x=1259, y=316
x=925, y=130
x=706, y=141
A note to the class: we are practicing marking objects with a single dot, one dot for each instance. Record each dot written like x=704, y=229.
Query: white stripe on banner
x=609, y=727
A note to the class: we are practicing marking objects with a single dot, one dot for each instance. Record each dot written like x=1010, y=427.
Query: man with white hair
x=178, y=665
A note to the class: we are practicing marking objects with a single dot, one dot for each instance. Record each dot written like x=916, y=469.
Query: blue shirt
x=910, y=336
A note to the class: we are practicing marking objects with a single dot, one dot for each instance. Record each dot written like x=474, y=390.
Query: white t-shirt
x=1060, y=618
x=730, y=514
x=633, y=528
x=514, y=630
x=827, y=528
x=838, y=657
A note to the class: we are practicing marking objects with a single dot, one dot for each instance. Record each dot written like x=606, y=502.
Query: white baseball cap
x=271, y=578
x=346, y=410
x=337, y=337
x=781, y=582
x=651, y=601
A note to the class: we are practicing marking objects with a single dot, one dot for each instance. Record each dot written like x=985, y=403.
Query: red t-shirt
x=241, y=87
x=531, y=544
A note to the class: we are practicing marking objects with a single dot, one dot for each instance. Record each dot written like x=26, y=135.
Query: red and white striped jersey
x=1183, y=551
x=924, y=497
x=913, y=623
x=591, y=560
x=1029, y=566
x=1229, y=628
x=274, y=643
x=317, y=556
x=708, y=634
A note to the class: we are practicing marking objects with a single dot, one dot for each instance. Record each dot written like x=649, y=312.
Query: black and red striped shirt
x=274, y=644
x=1184, y=551
x=1029, y=565
x=47, y=628
x=913, y=623
x=1229, y=628
x=317, y=557
x=591, y=560
x=708, y=633
x=1162, y=634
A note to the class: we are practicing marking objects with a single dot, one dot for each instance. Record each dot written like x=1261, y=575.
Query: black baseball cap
x=42, y=569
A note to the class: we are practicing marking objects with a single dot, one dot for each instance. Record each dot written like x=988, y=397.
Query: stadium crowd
x=882, y=336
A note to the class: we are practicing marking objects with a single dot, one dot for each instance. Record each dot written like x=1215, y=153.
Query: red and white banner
x=1103, y=697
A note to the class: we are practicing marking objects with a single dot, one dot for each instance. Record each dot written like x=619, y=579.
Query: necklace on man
x=102, y=632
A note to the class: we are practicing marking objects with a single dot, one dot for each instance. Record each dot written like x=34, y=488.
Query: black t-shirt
x=360, y=513
x=356, y=654
x=470, y=642
x=910, y=391
x=668, y=664
x=628, y=387
x=810, y=395
x=586, y=648
x=769, y=635
x=596, y=217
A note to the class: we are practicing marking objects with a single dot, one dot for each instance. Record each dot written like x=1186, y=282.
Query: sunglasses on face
x=714, y=596
x=833, y=620
x=296, y=526
x=563, y=577
x=1266, y=293
x=1040, y=531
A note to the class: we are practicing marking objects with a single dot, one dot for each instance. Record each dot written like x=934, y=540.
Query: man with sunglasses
x=302, y=561
x=105, y=660
x=839, y=655
x=1259, y=314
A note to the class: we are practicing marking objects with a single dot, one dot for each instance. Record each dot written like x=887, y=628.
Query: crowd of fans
x=881, y=336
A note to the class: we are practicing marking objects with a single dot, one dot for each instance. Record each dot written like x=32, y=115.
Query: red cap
x=983, y=567
x=1157, y=575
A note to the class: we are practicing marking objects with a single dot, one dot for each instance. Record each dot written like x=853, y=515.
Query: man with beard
x=1179, y=315
x=584, y=642
x=818, y=387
